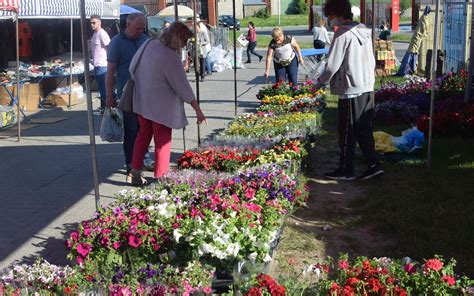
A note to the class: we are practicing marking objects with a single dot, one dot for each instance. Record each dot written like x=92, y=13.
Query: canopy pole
x=468, y=91
x=197, y=65
x=373, y=26
x=70, y=68
x=175, y=10
x=85, y=54
x=18, y=78
x=434, y=66
x=235, y=59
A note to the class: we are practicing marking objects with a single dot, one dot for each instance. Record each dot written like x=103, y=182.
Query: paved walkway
x=46, y=181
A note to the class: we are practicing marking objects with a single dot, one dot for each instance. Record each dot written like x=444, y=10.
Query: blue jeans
x=291, y=71
x=100, y=78
x=131, y=127
x=208, y=65
x=408, y=65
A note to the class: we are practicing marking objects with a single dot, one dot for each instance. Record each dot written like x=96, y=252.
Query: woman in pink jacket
x=252, y=38
x=161, y=89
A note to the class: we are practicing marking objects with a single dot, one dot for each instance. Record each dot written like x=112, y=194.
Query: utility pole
x=468, y=91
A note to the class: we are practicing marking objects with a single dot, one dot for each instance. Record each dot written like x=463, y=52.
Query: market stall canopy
x=107, y=9
x=183, y=11
x=10, y=5
x=125, y=9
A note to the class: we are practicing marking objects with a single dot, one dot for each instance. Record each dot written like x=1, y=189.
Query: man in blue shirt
x=120, y=52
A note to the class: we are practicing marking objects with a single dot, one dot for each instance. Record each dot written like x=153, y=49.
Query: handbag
x=126, y=99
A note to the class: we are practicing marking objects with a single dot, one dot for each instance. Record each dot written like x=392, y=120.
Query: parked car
x=229, y=21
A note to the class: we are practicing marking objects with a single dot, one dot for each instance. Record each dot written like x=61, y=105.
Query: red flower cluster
x=266, y=284
x=449, y=122
x=219, y=159
x=368, y=279
x=229, y=159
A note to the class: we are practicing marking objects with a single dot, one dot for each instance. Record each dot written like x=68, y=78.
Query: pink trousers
x=162, y=136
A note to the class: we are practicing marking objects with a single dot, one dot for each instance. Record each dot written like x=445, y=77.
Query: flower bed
x=364, y=276
x=230, y=159
x=407, y=102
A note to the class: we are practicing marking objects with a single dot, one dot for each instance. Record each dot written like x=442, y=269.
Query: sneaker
x=248, y=62
x=339, y=174
x=260, y=59
x=372, y=171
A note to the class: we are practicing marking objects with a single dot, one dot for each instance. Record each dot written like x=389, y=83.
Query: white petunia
x=253, y=256
x=177, y=235
x=267, y=258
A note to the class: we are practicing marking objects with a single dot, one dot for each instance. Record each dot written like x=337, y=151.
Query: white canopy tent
x=68, y=9
x=183, y=11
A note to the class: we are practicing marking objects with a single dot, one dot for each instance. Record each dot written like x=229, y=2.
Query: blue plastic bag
x=410, y=140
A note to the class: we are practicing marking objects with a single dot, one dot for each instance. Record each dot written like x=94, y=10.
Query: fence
x=456, y=36
x=219, y=36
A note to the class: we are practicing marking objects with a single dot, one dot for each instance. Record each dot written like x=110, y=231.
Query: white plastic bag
x=111, y=128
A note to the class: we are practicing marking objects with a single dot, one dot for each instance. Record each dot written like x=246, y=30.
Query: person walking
x=285, y=52
x=161, y=89
x=350, y=69
x=121, y=50
x=99, y=43
x=203, y=48
x=320, y=37
x=252, y=38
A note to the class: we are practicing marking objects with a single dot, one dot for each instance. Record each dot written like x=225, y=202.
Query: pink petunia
x=84, y=249
x=134, y=241
x=116, y=245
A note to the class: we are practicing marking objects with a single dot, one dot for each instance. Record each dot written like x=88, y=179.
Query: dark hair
x=95, y=16
x=251, y=23
x=341, y=8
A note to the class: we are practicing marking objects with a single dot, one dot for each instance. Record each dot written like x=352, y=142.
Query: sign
x=395, y=15
x=9, y=5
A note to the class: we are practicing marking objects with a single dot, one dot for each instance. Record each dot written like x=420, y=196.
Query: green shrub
x=262, y=13
x=297, y=7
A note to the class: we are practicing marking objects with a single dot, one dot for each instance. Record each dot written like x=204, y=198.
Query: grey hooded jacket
x=351, y=64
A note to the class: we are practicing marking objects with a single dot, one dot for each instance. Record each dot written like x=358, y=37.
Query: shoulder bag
x=126, y=99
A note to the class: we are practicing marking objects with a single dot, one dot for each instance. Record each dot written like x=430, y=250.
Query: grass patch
x=429, y=211
x=272, y=21
x=387, y=79
x=401, y=37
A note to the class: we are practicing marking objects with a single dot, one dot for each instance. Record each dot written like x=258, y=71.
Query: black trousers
x=318, y=44
x=251, y=50
x=354, y=125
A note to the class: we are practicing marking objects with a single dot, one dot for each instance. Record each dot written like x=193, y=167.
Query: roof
x=64, y=9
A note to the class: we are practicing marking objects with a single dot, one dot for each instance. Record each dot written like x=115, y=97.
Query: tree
x=297, y=7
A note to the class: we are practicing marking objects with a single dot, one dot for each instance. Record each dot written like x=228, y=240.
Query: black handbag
x=126, y=99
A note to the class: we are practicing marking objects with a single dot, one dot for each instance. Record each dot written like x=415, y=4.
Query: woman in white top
x=286, y=55
x=320, y=37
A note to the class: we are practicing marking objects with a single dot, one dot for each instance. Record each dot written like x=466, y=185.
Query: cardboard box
x=58, y=99
x=29, y=97
x=4, y=97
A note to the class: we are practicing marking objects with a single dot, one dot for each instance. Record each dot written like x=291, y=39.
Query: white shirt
x=320, y=33
x=100, y=40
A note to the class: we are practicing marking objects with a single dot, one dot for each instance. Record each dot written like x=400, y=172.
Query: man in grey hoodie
x=350, y=69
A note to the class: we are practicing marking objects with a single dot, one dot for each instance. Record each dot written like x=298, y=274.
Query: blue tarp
x=125, y=9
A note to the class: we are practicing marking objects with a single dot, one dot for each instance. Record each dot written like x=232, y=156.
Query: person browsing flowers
x=161, y=89
x=286, y=53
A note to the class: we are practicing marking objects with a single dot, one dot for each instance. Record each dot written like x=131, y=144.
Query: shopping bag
x=111, y=128
x=242, y=40
x=126, y=99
